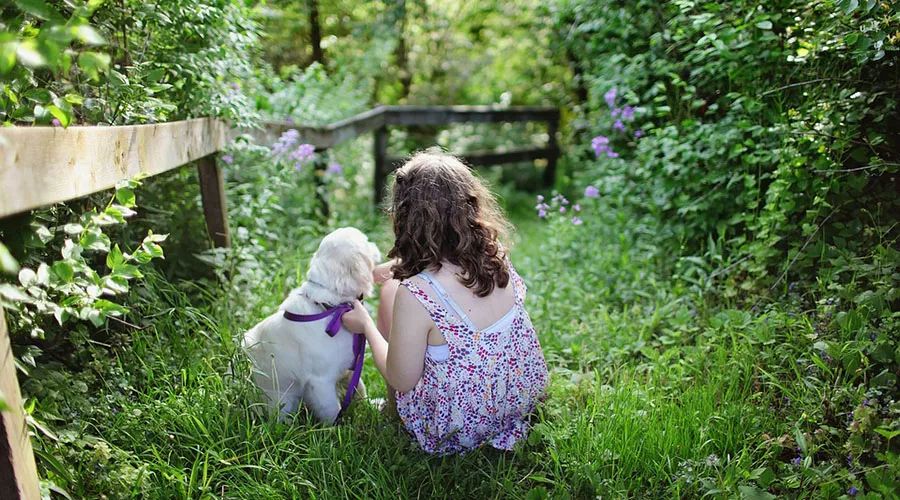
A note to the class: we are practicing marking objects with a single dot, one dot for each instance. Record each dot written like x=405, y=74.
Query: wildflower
x=852, y=491
x=591, y=192
x=619, y=126
x=612, y=154
x=610, y=97
x=601, y=145
x=540, y=198
x=616, y=112
x=638, y=134
x=285, y=142
x=562, y=210
x=577, y=221
x=712, y=460
x=303, y=152
x=628, y=113
x=227, y=159
x=56, y=122
x=542, y=212
x=576, y=207
x=334, y=168
x=541, y=207
x=560, y=199
x=796, y=461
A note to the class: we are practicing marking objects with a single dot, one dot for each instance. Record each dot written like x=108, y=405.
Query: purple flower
x=638, y=134
x=562, y=210
x=56, y=122
x=796, y=461
x=591, y=192
x=612, y=154
x=540, y=198
x=576, y=221
x=285, y=142
x=576, y=207
x=542, y=212
x=616, y=112
x=600, y=144
x=610, y=97
x=619, y=126
x=628, y=113
x=334, y=168
x=852, y=491
x=227, y=159
x=303, y=152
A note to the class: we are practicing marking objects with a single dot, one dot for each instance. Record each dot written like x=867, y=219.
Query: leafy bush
x=766, y=126
x=124, y=63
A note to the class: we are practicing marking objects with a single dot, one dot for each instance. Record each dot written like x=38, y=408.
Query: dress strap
x=445, y=297
x=435, y=310
x=519, y=286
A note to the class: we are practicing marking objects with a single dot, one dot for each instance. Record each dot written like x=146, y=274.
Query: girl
x=454, y=341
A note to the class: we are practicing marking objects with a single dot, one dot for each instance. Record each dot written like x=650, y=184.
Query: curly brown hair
x=442, y=212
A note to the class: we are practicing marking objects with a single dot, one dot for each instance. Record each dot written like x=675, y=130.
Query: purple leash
x=332, y=328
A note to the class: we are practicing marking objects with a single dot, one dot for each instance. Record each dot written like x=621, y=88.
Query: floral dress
x=485, y=388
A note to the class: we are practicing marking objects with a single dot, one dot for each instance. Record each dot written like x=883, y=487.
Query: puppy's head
x=343, y=266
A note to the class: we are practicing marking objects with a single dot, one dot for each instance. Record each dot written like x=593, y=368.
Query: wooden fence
x=44, y=165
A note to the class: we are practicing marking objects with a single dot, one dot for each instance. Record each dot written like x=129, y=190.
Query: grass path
x=651, y=394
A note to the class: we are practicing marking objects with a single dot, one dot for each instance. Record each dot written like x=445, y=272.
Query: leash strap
x=332, y=328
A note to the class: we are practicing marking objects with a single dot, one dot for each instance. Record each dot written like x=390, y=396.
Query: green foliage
x=766, y=126
x=75, y=287
x=124, y=62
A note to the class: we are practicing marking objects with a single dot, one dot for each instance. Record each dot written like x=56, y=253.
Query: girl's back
x=479, y=385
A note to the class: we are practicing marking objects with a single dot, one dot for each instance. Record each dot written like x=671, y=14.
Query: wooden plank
x=328, y=136
x=44, y=165
x=442, y=115
x=381, y=168
x=18, y=472
x=212, y=192
x=485, y=158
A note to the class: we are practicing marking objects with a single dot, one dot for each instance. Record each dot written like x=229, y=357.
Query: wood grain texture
x=212, y=192
x=44, y=165
x=18, y=472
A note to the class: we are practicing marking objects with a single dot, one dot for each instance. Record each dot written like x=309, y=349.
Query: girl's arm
x=403, y=361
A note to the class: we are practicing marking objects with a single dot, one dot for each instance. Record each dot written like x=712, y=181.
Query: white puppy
x=298, y=361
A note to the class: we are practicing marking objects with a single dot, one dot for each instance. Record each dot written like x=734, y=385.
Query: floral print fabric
x=486, y=389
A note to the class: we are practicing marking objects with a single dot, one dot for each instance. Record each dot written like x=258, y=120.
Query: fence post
x=380, y=153
x=550, y=171
x=18, y=472
x=212, y=192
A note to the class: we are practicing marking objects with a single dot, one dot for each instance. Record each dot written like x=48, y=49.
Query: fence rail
x=44, y=165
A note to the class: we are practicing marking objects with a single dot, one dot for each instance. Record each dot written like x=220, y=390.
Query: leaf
x=114, y=258
x=73, y=228
x=27, y=277
x=8, y=263
x=28, y=54
x=63, y=271
x=93, y=64
x=125, y=196
x=749, y=492
x=764, y=25
x=7, y=56
x=851, y=6
x=43, y=234
x=13, y=293
x=39, y=9
x=87, y=34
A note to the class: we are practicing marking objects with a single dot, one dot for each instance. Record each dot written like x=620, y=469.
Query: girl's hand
x=382, y=272
x=358, y=319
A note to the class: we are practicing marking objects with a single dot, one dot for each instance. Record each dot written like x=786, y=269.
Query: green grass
x=656, y=392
